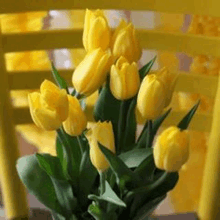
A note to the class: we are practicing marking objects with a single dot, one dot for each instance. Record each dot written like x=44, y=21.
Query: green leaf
x=125, y=176
x=159, y=187
x=58, y=79
x=59, y=150
x=108, y=196
x=157, y=122
x=146, y=68
x=150, y=135
x=87, y=172
x=146, y=138
x=72, y=154
x=131, y=125
x=56, y=216
x=51, y=165
x=62, y=155
x=62, y=187
x=96, y=211
x=121, y=126
x=99, y=214
x=142, y=140
x=107, y=108
x=38, y=182
x=59, y=217
x=135, y=157
x=65, y=196
x=184, y=123
x=144, y=212
x=146, y=169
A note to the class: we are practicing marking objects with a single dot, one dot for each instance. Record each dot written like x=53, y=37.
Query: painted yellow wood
x=187, y=82
x=14, y=194
x=42, y=40
x=210, y=200
x=149, y=39
x=170, y=6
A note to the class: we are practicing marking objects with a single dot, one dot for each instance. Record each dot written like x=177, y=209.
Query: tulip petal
x=48, y=119
x=76, y=121
x=99, y=34
x=86, y=28
x=121, y=26
x=100, y=73
x=102, y=132
x=151, y=97
x=85, y=71
x=34, y=103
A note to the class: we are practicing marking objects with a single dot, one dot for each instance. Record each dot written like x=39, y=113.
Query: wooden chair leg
x=14, y=194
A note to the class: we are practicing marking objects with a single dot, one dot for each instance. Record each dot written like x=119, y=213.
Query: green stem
x=80, y=144
x=102, y=182
x=121, y=126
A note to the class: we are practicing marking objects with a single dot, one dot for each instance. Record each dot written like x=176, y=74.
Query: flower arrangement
x=106, y=172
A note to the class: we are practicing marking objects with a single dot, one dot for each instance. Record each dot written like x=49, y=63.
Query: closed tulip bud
x=125, y=43
x=76, y=121
x=124, y=79
x=102, y=132
x=96, y=31
x=151, y=97
x=169, y=81
x=171, y=149
x=49, y=107
x=91, y=73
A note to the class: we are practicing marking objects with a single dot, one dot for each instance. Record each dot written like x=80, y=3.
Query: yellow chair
x=13, y=190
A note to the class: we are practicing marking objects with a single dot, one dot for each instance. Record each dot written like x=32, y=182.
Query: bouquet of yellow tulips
x=106, y=172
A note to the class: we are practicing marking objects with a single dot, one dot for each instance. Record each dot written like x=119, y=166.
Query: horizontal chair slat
x=149, y=39
x=205, y=7
x=187, y=82
x=200, y=122
x=19, y=80
x=42, y=40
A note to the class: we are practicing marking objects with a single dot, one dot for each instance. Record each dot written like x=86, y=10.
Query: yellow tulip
x=76, y=121
x=91, y=73
x=151, y=97
x=124, y=79
x=125, y=42
x=96, y=31
x=49, y=107
x=169, y=80
x=171, y=149
x=102, y=132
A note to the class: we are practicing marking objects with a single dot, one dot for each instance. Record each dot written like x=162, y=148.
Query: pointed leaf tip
x=146, y=68
x=58, y=79
x=184, y=123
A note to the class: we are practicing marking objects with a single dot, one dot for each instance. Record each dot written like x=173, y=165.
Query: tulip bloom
x=171, y=149
x=76, y=121
x=102, y=132
x=49, y=107
x=169, y=81
x=91, y=73
x=96, y=32
x=125, y=42
x=151, y=97
x=124, y=79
